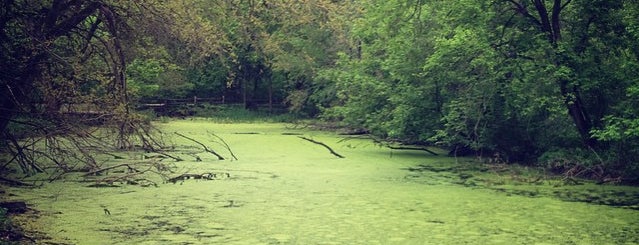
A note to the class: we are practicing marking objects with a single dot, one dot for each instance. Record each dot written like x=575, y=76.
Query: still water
x=285, y=190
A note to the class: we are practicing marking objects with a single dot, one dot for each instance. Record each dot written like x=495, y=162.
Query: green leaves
x=153, y=78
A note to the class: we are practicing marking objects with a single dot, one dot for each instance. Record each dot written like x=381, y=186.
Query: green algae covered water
x=285, y=190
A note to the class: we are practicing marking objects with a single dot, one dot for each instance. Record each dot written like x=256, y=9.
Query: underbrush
x=581, y=163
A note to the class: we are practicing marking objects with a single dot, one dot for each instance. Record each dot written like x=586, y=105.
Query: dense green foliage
x=547, y=81
x=510, y=80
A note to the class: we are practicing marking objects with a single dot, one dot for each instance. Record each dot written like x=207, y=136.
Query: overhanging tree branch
x=71, y=22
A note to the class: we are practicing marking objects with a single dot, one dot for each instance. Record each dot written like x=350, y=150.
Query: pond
x=285, y=190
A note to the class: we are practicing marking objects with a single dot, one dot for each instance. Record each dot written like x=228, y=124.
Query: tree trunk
x=7, y=111
x=270, y=95
x=578, y=113
x=550, y=24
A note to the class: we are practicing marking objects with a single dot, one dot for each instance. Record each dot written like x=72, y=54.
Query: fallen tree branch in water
x=133, y=174
x=98, y=171
x=204, y=176
x=177, y=159
x=411, y=148
x=322, y=144
x=13, y=182
x=223, y=143
x=219, y=157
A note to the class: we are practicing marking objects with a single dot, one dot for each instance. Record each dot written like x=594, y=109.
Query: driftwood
x=219, y=157
x=322, y=144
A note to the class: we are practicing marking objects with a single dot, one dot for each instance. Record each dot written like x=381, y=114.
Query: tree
x=62, y=68
x=518, y=78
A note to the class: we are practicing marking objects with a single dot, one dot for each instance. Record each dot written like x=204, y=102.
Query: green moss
x=284, y=190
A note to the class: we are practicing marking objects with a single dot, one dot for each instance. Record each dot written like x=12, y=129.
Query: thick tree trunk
x=577, y=112
x=550, y=24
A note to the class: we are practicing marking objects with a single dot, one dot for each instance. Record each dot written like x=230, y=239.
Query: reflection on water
x=285, y=190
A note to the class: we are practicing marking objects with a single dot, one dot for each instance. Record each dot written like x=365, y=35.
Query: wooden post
x=270, y=96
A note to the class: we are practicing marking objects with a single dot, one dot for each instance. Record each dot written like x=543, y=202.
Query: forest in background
x=551, y=83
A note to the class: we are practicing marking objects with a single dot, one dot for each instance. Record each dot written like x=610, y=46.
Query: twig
x=322, y=144
x=224, y=144
x=111, y=154
x=112, y=167
x=177, y=159
x=219, y=157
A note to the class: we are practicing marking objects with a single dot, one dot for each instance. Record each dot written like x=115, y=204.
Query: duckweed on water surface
x=284, y=190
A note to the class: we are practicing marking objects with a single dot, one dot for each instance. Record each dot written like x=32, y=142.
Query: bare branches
x=322, y=144
x=547, y=21
x=203, y=146
x=133, y=175
x=22, y=156
x=99, y=171
x=223, y=143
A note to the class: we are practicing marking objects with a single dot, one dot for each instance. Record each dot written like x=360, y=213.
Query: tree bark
x=577, y=112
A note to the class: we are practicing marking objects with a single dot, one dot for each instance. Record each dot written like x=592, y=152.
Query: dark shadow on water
x=511, y=180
